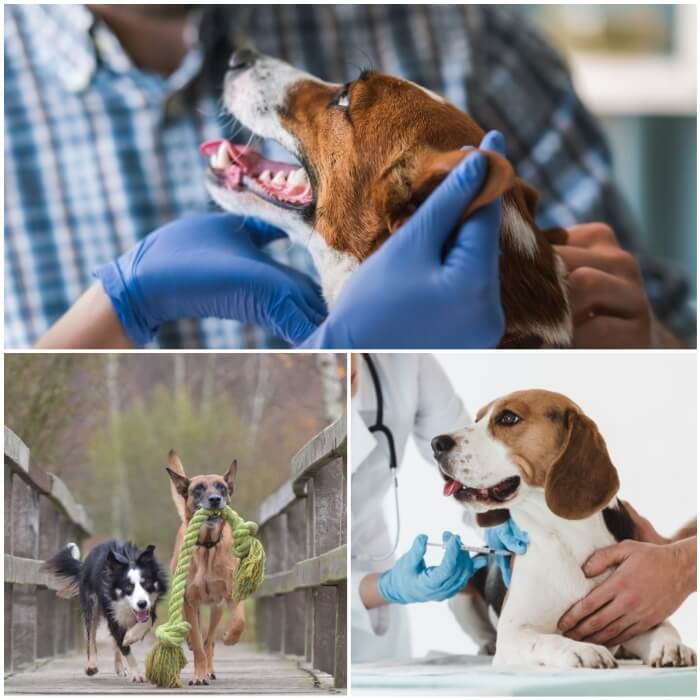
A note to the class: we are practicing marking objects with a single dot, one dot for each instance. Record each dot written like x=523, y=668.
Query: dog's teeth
x=221, y=158
x=280, y=178
x=298, y=178
x=265, y=176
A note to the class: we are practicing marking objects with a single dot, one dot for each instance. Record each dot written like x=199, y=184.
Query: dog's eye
x=507, y=418
x=342, y=100
x=220, y=486
x=128, y=589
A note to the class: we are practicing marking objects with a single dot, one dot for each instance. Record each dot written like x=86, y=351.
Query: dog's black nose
x=442, y=444
x=215, y=501
x=142, y=604
x=242, y=59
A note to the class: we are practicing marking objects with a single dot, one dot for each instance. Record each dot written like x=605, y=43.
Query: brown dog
x=372, y=151
x=210, y=578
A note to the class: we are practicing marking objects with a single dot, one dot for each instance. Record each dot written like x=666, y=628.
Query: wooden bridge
x=300, y=614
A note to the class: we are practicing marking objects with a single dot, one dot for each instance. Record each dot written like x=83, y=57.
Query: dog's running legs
x=92, y=618
x=215, y=613
x=117, y=632
x=119, y=662
x=237, y=626
x=200, y=657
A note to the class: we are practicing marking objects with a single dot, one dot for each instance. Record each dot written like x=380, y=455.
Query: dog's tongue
x=451, y=487
x=142, y=615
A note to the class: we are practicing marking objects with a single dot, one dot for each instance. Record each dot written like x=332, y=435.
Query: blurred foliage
x=104, y=423
x=39, y=403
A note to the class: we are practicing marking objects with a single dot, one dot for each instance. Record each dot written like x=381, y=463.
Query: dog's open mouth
x=238, y=168
x=142, y=615
x=499, y=493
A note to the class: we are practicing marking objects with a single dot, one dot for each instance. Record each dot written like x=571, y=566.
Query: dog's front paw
x=583, y=655
x=672, y=654
x=487, y=648
x=199, y=681
x=136, y=676
x=120, y=667
x=91, y=670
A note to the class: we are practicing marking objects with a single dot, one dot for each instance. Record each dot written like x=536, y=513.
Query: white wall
x=645, y=406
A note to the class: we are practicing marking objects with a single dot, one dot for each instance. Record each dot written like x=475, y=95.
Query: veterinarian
x=396, y=396
x=106, y=105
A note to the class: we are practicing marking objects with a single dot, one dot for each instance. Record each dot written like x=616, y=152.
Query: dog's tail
x=66, y=567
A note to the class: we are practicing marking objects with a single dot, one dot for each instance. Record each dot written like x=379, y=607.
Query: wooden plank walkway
x=239, y=669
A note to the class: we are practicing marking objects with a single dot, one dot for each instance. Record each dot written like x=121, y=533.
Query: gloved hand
x=241, y=538
x=411, y=581
x=507, y=536
x=210, y=265
x=407, y=296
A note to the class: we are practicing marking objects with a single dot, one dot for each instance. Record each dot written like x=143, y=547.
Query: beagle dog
x=538, y=455
x=371, y=151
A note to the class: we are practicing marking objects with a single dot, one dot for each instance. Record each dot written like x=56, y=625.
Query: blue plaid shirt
x=99, y=153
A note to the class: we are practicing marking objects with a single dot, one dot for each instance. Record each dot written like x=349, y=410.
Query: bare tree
x=332, y=384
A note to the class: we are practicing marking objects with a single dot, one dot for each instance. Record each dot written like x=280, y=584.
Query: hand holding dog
x=637, y=596
x=411, y=294
x=411, y=581
x=606, y=290
x=210, y=265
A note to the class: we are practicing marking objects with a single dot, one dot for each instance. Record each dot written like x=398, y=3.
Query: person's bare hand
x=636, y=597
x=609, y=304
x=645, y=531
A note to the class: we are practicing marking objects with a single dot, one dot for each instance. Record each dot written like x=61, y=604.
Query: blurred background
x=635, y=67
x=104, y=424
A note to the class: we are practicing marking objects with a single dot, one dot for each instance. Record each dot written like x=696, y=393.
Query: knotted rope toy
x=166, y=660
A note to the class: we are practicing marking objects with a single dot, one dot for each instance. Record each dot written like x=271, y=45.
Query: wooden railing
x=301, y=606
x=41, y=516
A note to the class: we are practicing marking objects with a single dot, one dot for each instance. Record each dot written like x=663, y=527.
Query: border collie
x=119, y=582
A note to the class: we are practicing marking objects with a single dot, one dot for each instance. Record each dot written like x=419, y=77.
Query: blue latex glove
x=406, y=295
x=411, y=581
x=210, y=265
x=507, y=536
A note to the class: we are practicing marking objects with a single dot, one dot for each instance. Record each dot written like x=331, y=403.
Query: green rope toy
x=166, y=660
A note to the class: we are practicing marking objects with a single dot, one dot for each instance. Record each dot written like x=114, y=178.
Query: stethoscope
x=380, y=427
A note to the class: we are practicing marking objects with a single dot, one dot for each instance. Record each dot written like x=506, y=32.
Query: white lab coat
x=419, y=400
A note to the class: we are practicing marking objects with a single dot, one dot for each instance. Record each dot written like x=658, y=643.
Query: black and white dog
x=119, y=582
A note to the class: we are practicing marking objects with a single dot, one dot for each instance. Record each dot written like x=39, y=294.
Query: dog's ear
x=230, y=476
x=147, y=553
x=116, y=559
x=175, y=463
x=403, y=188
x=180, y=482
x=527, y=198
x=582, y=479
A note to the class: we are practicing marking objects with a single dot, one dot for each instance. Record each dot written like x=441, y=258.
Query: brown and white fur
x=372, y=151
x=561, y=490
x=209, y=582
